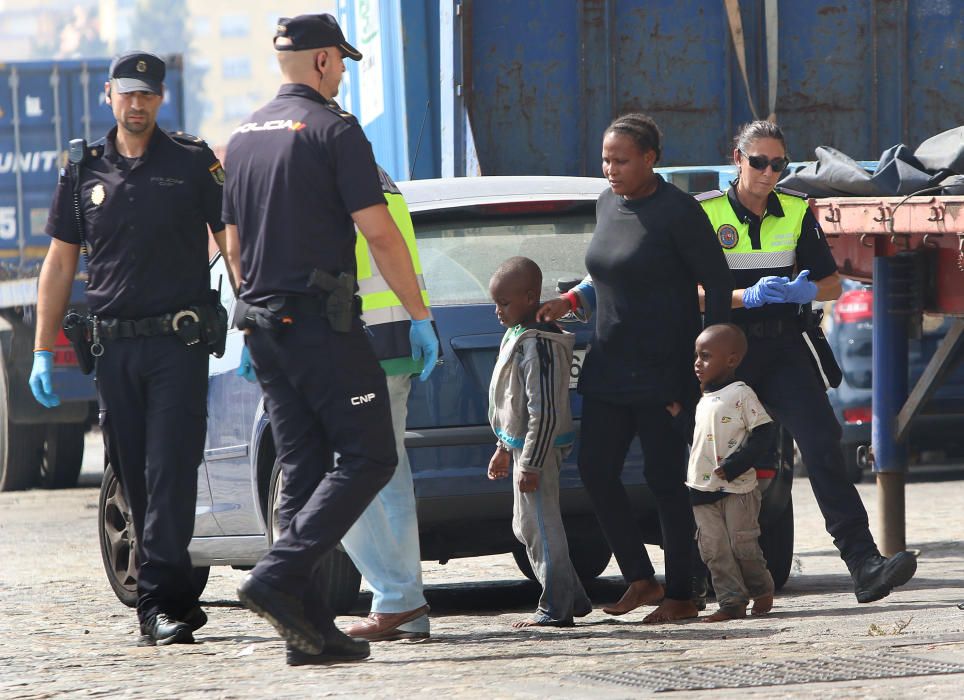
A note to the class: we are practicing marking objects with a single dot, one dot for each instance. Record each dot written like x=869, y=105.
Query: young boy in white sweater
x=733, y=432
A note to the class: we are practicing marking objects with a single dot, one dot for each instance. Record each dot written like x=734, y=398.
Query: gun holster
x=824, y=362
x=77, y=329
x=266, y=318
x=213, y=319
x=339, y=297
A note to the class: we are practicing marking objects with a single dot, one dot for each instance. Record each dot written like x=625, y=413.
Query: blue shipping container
x=528, y=86
x=42, y=106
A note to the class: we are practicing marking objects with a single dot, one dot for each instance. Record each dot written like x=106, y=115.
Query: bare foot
x=671, y=610
x=539, y=620
x=724, y=614
x=647, y=591
x=762, y=605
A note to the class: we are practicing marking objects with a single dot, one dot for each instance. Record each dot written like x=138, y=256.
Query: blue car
x=466, y=227
x=939, y=428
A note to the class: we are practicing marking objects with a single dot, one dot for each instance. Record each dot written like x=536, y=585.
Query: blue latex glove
x=245, y=369
x=41, y=379
x=424, y=345
x=801, y=290
x=767, y=290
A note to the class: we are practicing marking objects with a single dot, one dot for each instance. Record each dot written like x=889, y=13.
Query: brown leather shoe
x=384, y=627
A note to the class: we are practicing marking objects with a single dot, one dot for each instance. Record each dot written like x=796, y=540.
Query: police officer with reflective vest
x=302, y=175
x=769, y=235
x=383, y=543
x=139, y=206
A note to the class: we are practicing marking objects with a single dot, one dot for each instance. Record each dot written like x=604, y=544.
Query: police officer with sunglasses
x=780, y=261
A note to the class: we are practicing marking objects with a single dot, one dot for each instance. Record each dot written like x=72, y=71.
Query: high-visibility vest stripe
x=376, y=284
x=756, y=261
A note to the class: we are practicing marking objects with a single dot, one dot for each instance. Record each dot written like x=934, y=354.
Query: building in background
x=231, y=50
x=46, y=29
x=229, y=62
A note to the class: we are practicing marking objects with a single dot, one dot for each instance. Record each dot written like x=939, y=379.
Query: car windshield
x=459, y=255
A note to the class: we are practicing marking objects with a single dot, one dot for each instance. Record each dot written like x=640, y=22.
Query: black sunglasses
x=761, y=162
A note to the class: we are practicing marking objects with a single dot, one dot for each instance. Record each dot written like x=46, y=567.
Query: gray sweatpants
x=727, y=533
x=537, y=523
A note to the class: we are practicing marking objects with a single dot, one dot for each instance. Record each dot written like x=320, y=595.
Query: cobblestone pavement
x=63, y=634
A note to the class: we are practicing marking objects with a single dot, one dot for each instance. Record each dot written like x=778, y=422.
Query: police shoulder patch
x=217, y=172
x=728, y=236
x=335, y=108
x=187, y=139
x=712, y=194
x=792, y=193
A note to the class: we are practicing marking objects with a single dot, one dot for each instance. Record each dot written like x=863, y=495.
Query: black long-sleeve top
x=646, y=258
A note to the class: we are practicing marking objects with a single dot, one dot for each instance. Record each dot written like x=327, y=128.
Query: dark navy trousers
x=780, y=371
x=608, y=429
x=324, y=392
x=153, y=414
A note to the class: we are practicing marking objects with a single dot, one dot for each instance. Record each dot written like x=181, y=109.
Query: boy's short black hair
x=521, y=270
x=731, y=335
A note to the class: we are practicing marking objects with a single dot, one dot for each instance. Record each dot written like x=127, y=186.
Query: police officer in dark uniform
x=302, y=175
x=780, y=260
x=146, y=200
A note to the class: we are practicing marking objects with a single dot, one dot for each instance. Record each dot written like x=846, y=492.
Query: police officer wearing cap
x=146, y=201
x=301, y=176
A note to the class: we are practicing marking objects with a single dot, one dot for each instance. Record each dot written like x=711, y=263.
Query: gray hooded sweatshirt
x=529, y=393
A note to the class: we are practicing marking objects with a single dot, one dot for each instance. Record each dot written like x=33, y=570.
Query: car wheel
x=118, y=543
x=63, y=455
x=334, y=577
x=588, y=551
x=776, y=541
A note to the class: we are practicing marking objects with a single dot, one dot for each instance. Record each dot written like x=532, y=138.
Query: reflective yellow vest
x=778, y=234
x=382, y=312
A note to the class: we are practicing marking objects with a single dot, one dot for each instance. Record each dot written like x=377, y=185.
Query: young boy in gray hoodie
x=529, y=412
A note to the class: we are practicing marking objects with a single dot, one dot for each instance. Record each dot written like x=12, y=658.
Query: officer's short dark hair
x=640, y=128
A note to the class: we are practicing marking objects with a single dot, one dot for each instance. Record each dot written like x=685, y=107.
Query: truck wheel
x=63, y=455
x=776, y=541
x=20, y=446
x=118, y=543
x=334, y=577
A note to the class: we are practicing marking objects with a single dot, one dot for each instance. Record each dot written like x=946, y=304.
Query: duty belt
x=768, y=328
x=165, y=324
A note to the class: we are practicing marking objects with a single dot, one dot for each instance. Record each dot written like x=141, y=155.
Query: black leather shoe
x=877, y=576
x=162, y=630
x=195, y=618
x=339, y=648
x=285, y=613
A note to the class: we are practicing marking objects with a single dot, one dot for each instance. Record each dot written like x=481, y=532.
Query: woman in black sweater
x=651, y=247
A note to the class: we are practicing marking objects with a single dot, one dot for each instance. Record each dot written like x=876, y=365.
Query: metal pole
x=892, y=297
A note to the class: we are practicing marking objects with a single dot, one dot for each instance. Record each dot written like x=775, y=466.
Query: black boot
x=339, y=648
x=877, y=576
x=162, y=630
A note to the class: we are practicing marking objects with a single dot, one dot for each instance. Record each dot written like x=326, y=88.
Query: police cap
x=138, y=71
x=312, y=32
